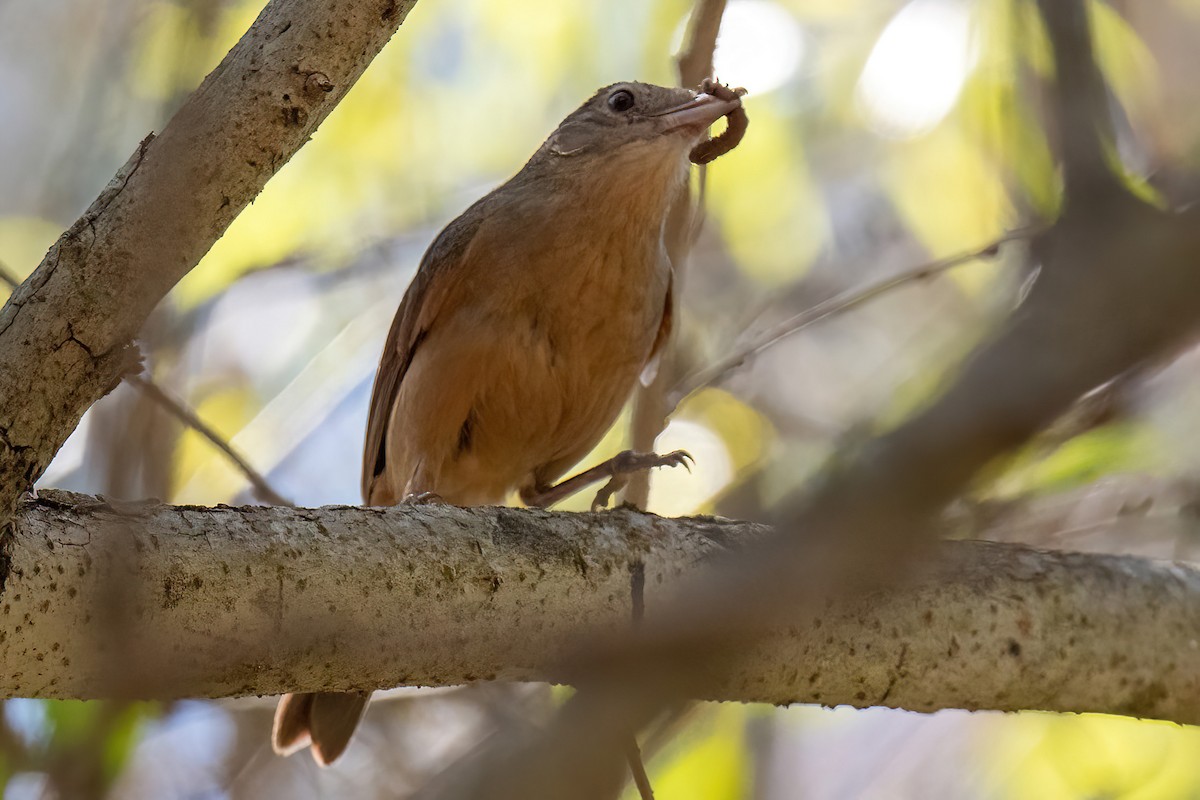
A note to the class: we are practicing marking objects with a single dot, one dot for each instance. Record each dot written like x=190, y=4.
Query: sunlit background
x=883, y=134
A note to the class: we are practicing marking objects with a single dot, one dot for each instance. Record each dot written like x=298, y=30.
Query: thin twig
x=833, y=306
x=7, y=276
x=640, y=779
x=176, y=408
x=262, y=489
x=633, y=753
x=651, y=406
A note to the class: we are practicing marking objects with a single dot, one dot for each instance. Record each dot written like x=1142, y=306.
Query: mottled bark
x=175, y=601
x=65, y=333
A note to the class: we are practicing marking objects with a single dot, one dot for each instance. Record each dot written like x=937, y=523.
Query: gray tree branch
x=65, y=333
x=103, y=599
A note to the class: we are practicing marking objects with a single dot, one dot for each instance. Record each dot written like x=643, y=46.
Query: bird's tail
x=324, y=720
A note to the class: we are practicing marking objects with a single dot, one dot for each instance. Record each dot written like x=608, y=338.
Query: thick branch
x=65, y=332
x=163, y=601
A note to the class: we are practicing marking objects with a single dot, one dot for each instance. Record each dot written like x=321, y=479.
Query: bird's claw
x=615, y=484
x=678, y=458
x=628, y=462
x=424, y=499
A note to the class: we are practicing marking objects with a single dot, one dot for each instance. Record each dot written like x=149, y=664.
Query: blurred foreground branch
x=1118, y=286
x=225, y=601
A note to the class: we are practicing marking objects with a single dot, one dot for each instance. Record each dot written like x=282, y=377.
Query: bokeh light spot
x=917, y=69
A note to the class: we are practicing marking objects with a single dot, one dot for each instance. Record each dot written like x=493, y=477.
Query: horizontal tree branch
x=147, y=600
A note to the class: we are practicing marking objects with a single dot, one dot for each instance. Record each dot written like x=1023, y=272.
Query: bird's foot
x=616, y=469
x=424, y=499
x=628, y=462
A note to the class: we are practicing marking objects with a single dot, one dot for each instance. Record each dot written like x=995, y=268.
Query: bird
x=525, y=330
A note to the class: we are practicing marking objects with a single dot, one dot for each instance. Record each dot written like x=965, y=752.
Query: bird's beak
x=696, y=114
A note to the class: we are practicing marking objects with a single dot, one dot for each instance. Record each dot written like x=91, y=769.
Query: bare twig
x=178, y=409
x=7, y=276
x=833, y=306
x=640, y=779
x=637, y=607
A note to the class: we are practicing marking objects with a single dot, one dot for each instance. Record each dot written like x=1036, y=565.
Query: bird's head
x=636, y=120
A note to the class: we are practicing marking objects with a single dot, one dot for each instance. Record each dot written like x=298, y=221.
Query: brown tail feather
x=325, y=720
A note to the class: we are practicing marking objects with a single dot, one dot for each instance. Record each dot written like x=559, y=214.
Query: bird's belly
x=577, y=368
x=518, y=388
x=596, y=339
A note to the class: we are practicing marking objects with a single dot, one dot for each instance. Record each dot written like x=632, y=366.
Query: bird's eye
x=620, y=100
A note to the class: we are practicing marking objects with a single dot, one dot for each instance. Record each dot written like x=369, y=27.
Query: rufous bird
x=525, y=330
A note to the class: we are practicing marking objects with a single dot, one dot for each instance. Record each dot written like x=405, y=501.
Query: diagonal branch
x=176, y=408
x=65, y=334
x=180, y=410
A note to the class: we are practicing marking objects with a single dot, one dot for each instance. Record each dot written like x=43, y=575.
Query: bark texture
x=65, y=333
x=148, y=600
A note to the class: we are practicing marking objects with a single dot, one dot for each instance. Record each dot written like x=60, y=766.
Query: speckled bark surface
x=65, y=333
x=165, y=601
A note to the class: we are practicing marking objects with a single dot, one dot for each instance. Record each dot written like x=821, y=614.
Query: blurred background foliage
x=884, y=134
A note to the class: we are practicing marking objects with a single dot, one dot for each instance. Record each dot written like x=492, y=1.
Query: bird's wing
x=650, y=369
x=426, y=295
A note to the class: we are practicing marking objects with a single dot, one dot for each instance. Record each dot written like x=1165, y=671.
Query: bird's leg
x=617, y=469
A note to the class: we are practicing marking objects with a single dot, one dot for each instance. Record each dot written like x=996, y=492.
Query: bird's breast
x=584, y=315
x=598, y=305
